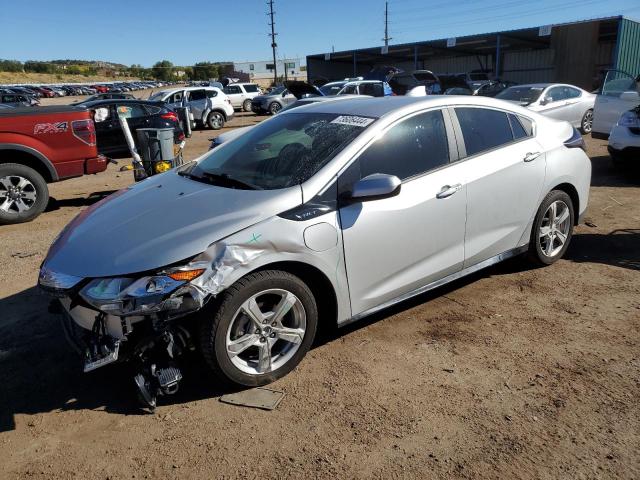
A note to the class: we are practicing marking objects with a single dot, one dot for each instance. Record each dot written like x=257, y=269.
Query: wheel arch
x=219, y=110
x=13, y=153
x=570, y=190
x=316, y=280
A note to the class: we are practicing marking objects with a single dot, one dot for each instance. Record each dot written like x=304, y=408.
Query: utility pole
x=273, y=41
x=386, y=25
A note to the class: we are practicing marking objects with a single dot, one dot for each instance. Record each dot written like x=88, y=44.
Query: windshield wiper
x=218, y=178
x=225, y=178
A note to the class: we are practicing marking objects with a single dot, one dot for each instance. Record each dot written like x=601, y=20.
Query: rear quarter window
x=251, y=88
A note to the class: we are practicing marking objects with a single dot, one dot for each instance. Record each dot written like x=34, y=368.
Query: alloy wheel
x=266, y=331
x=275, y=108
x=587, y=122
x=17, y=194
x=216, y=120
x=554, y=229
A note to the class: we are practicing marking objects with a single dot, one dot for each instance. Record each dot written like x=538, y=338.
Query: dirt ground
x=511, y=373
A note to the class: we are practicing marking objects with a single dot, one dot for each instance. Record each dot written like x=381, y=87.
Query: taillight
x=170, y=116
x=575, y=141
x=85, y=131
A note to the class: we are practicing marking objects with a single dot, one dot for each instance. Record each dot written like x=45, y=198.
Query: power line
x=273, y=41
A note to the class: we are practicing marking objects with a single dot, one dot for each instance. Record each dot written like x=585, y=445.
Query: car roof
x=379, y=106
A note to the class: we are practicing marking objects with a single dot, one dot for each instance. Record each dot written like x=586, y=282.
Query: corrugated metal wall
x=529, y=66
x=628, y=51
x=458, y=64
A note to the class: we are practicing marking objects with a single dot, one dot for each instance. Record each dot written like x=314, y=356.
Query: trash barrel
x=155, y=146
x=184, y=115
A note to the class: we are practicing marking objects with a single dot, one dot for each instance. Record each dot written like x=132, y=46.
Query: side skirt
x=438, y=283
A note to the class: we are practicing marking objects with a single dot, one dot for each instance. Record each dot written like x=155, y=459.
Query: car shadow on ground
x=83, y=201
x=619, y=248
x=40, y=373
x=605, y=174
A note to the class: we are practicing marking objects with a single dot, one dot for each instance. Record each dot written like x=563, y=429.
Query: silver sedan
x=555, y=100
x=326, y=213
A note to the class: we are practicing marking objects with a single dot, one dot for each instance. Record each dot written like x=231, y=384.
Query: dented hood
x=160, y=221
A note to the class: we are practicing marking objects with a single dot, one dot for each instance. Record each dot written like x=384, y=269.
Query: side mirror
x=284, y=94
x=630, y=96
x=376, y=186
x=545, y=100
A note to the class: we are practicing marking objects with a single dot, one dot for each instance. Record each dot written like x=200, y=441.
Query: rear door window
x=572, y=92
x=412, y=147
x=556, y=94
x=211, y=93
x=232, y=90
x=196, y=95
x=483, y=129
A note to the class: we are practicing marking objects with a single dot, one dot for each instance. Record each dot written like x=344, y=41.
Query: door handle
x=530, y=157
x=448, y=190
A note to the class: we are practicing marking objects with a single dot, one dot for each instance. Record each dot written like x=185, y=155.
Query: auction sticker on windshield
x=353, y=120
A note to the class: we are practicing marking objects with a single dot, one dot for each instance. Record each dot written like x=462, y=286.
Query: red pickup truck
x=41, y=145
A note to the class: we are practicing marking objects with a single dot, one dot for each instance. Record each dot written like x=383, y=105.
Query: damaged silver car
x=321, y=215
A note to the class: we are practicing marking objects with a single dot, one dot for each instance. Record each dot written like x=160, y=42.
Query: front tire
x=552, y=228
x=586, y=124
x=261, y=328
x=23, y=193
x=274, y=108
x=215, y=120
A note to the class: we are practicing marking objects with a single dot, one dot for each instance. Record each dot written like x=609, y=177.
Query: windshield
x=277, y=91
x=284, y=151
x=332, y=88
x=521, y=94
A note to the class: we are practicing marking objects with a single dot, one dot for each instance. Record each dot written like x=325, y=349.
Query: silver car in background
x=555, y=100
x=323, y=214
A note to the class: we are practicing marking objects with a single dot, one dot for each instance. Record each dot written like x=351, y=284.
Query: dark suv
x=142, y=114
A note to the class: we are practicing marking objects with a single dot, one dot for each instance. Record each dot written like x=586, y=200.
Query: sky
x=189, y=31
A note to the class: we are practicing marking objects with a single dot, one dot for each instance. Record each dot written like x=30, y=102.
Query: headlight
x=125, y=296
x=629, y=119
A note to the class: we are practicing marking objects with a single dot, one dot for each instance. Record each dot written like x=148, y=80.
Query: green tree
x=163, y=70
x=11, y=66
x=205, y=71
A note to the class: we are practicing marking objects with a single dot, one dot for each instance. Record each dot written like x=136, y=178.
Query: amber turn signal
x=185, y=275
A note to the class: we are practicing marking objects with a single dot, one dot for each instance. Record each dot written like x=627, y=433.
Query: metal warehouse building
x=573, y=53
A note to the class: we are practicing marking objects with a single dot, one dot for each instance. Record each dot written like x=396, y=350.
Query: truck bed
x=51, y=109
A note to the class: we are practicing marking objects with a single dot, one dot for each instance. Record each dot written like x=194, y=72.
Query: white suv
x=209, y=105
x=241, y=94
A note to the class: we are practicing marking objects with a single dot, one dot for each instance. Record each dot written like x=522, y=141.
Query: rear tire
x=23, y=193
x=225, y=328
x=552, y=229
x=586, y=124
x=215, y=120
x=246, y=106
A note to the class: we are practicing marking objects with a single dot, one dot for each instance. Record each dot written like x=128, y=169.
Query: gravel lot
x=511, y=373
